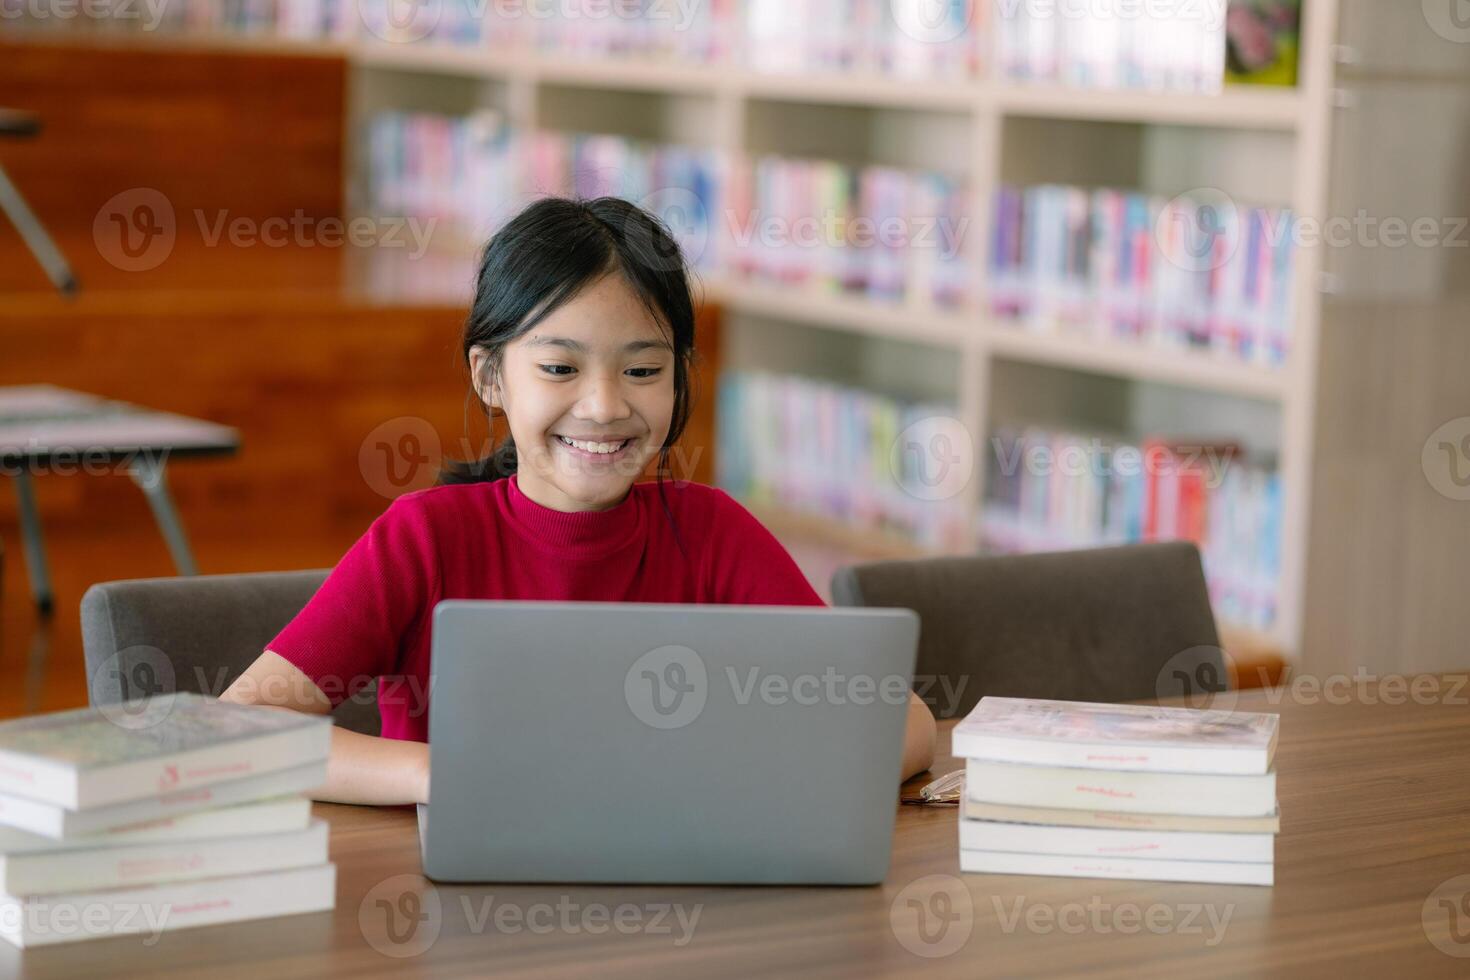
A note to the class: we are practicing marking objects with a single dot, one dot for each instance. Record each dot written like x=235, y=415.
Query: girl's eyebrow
x=631, y=347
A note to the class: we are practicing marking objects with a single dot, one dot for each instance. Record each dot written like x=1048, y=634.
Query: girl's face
x=598, y=372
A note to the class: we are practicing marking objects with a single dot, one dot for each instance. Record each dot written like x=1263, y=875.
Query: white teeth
x=594, y=447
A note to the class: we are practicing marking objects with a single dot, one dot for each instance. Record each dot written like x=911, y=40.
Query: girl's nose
x=603, y=402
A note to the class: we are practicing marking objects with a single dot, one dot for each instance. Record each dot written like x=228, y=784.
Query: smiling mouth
x=595, y=448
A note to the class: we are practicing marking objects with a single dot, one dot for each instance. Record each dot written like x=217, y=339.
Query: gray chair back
x=1110, y=624
x=205, y=630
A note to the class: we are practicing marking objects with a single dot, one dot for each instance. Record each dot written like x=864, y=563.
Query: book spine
x=1136, y=869
x=1096, y=789
x=276, y=815
x=1084, y=755
x=236, y=759
x=37, y=779
x=45, y=819
x=1113, y=819
x=162, y=861
x=72, y=823
x=48, y=920
x=985, y=835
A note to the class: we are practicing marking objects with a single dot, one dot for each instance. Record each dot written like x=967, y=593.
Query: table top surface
x=1372, y=879
x=46, y=422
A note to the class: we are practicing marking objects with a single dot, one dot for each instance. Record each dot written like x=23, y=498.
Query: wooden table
x=1375, y=805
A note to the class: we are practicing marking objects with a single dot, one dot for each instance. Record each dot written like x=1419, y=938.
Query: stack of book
x=154, y=815
x=1118, y=791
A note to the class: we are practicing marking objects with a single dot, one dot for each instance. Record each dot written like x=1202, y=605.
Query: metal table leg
x=30, y=532
x=148, y=474
x=35, y=237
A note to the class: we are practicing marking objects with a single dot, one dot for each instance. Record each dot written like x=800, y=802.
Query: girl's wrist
x=421, y=773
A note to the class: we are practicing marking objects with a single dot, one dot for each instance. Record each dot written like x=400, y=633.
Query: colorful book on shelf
x=1112, y=47
x=1263, y=40
x=815, y=447
x=1157, y=489
x=881, y=232
x=1183, y=274
x=1145, y=738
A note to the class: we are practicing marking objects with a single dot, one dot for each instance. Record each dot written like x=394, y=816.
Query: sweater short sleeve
x=355, y=627
x=745, y=564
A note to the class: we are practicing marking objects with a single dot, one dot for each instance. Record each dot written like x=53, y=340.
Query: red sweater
x=371, y=617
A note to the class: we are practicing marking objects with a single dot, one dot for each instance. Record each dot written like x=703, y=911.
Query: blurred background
x=974, y=275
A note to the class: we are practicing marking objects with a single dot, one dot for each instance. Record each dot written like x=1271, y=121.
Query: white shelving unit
x=1272, y=145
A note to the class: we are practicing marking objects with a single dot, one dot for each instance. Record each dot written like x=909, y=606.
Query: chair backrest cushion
x=1095, y=625
x=205, y=630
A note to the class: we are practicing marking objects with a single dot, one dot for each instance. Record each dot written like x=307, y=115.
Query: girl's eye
x=645, y=372
x=554, y=369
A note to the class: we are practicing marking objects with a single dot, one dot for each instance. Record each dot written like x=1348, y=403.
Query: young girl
x=582, y=334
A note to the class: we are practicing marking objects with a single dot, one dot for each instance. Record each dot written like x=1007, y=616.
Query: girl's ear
x=484, y=377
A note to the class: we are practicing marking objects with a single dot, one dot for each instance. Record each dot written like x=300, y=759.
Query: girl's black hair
x=542, y=258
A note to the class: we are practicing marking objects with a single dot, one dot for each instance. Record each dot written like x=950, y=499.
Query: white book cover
x=41, y=920
x=269, y=816
x=986, y=835
x=52, y=872
x=1060, y=817
x=97, y=756
x=1146, y=738
x=1134, y=792
x=1134, y=869
x=58, y=822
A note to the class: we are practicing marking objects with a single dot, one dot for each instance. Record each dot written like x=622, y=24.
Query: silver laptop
x=619, y=742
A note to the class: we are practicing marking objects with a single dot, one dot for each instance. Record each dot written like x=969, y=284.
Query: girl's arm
x=919, y=736
x=360, y=768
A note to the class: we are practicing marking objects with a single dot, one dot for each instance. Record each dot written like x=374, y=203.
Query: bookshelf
x=1257, y=143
